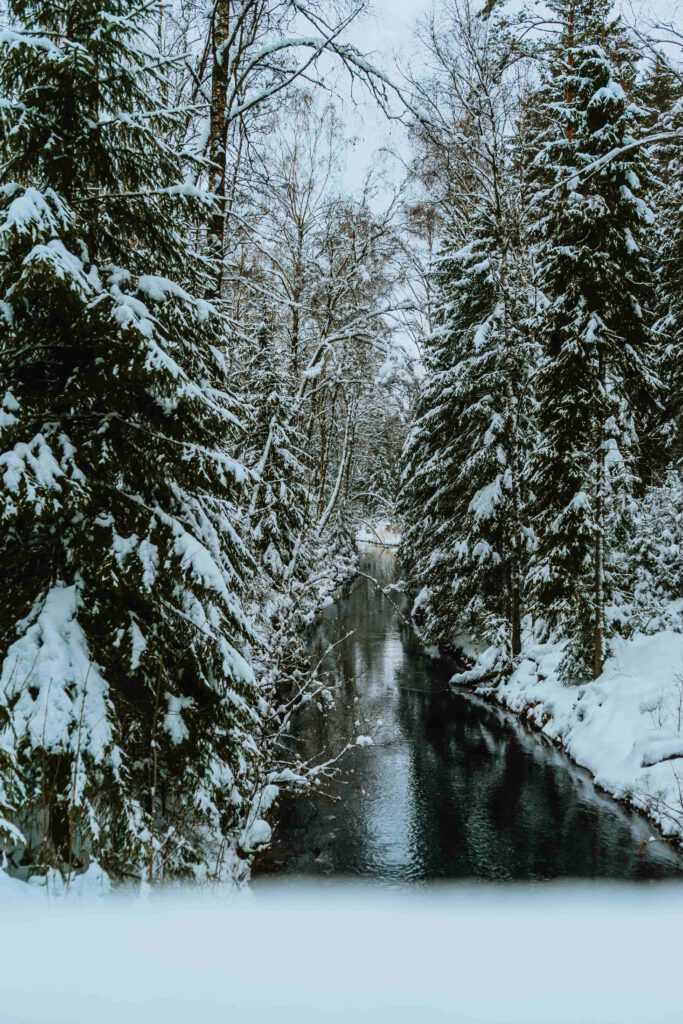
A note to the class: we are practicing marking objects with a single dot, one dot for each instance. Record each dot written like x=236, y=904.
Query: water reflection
x=451, y=788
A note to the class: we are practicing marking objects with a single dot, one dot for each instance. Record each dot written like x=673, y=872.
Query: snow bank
x=14, y=891
x=451, y=954
x=90, y=886
x=626, y=727
x=383, y=532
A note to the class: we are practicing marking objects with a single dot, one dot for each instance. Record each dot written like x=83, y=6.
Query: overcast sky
x=388, y=34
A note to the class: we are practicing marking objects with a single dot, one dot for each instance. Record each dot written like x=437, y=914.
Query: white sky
x=388, y=35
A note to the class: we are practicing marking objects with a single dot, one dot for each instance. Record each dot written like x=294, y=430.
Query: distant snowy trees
x=543, y=435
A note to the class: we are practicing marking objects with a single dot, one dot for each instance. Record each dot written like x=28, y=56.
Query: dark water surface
x=451, y=787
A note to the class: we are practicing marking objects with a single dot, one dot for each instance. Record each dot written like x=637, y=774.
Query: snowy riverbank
x=626, y=727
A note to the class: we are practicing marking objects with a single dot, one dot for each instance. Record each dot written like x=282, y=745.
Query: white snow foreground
x=452, y=955
x=626, y=727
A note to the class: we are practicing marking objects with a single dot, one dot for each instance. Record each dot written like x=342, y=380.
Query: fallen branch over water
x=385, y=594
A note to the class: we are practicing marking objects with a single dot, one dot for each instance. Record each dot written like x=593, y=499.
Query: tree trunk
x=512, y=404
x=343, y=466
x=218, y=135
x=599, y=593
x=571, y=24
x=297, y=295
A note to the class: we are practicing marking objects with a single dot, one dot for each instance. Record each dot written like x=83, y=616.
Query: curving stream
x=451, y=787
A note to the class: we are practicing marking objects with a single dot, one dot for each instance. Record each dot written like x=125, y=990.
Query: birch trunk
x=512, y=404
x=343, y=465
x=218, y=134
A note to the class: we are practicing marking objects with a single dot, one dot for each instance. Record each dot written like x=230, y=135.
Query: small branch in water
x=331, y=647
x=386, y=595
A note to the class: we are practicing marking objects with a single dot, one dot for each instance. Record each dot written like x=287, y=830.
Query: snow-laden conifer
x=278, y=521
x=595, y=378
x=126, y=702
x=431, y=462
x=466, y=538
x=655, y=556
x=670, y=325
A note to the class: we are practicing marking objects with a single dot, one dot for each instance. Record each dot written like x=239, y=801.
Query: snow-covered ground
x=450, y=955
x=626, y=727
x=384, y=532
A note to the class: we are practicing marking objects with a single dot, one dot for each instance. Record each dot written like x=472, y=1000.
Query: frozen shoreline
x=625, y=728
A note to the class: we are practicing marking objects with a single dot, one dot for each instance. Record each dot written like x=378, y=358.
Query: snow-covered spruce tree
x=655, y=557
x=278, y=506
x=658, y=93
x=594, y=381
x=431, y=462
x=464, y=497
x=463, y=501
x=125, y=700
x=671, y=300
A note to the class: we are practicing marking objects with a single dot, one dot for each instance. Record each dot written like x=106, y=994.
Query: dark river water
x=451, y=787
